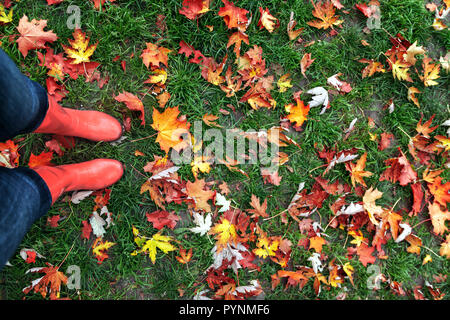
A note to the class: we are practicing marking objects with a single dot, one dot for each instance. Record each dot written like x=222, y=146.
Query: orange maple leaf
x=171, y=129
x=184, y=257
x=316, y=243
x=372, y=67
x=236, y=39
x=192, y=9
x=196, y=191
x=32, y=35
x=268, y=21
x=440, y=191
x=357, y=171
x=297, y=113
x=425, y=129
x=259, y=210
x=325, y=12
x=44, y=159
x=155, y=55
x=133, y=103
x=53, y=279
x=233, y=16
x=365, y=254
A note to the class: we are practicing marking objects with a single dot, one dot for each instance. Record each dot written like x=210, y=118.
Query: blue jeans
x=24, y=195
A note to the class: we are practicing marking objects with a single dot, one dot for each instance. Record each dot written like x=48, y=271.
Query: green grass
x=122, y=29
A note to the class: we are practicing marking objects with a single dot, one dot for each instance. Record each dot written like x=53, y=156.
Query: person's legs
x=27, y=194
x=23, y=102
x=24, y=198
x=25, y=107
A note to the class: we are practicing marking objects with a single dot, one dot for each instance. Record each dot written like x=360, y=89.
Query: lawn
x=295, y=245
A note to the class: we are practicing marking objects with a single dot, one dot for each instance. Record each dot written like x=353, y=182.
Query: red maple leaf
x=162, y=218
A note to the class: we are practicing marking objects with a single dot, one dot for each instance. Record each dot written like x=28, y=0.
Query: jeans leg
x=23, y=102
x=24, y=198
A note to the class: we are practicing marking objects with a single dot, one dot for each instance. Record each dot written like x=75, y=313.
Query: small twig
x=66, y=255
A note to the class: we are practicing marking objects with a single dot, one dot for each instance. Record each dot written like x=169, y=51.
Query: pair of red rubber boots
x=92, y=125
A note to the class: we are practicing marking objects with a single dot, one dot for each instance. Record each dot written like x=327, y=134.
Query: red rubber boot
x=91, y=125
x=91, y=175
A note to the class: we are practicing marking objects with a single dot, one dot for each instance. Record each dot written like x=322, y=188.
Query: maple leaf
x=400, y=170
x=50, y=282
x=373, y=66
x=9, y=154
x=236, y=39
x=5, y=18
x=203, y=223
x=415, y=244
x=431, y=72
x=192, y=9
x=267, y=21
x=400, y=70
x=259, y=210
x=44, y=159
x=411, y=95
x=100, y=247
x=445, y=247
x=297, y=113
x=342, y=86
x=133, y=103
x=170, y=129
x=196, y=190
x=225, y=233
x=325, y=12
x=32, y=35
x=369, y=198
x=284, y=82
x=100, y=3
x=365, y=254
x=438, y=218
x=184, y=257
x=425, y=129
x=86, y=230
x=233, y=16
x=441, y=192
x=160, y=218
x=150, y=245
x=357, y=171
x=316, y=243
x=413, y=50
x=293, y=34
x=305, y=63
x=266, y=247
x=79, y=50
x=154, y=55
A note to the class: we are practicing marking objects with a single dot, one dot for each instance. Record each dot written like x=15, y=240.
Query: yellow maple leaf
x=225, y=233
x=80, y=49
x=5, y=18
x=171, y=129
x=150, y=245
x=357, y=171
x=266, y=247
x=284, y=82
x=431, y=72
